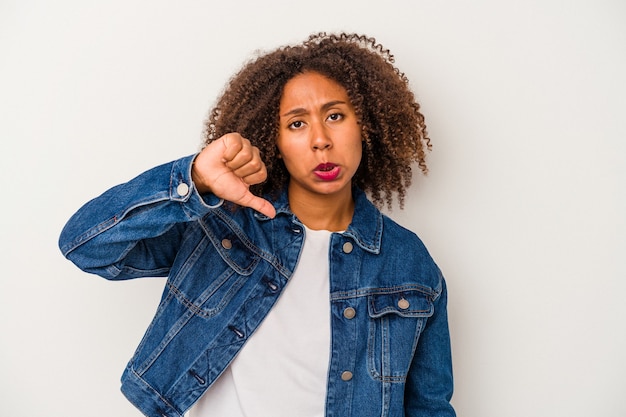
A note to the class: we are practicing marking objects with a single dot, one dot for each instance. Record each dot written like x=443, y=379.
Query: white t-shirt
x=282, y=371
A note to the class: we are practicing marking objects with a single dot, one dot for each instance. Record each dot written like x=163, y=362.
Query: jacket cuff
x=182, y=188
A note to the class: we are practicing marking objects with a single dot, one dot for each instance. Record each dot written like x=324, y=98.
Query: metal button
x=227, y=244
x=403, y=303
x=346, y=376
x=182, y=189
x=349, y=313
x=347, y=247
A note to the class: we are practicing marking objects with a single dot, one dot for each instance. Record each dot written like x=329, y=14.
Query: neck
x=323, y=212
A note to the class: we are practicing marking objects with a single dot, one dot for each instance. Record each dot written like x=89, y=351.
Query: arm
x=134, y=229
x=429, y=384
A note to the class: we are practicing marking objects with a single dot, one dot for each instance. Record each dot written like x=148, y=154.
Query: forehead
x=311, y=87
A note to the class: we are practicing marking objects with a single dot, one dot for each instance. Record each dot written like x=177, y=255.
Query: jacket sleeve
x=429, y=384
x=135, y=229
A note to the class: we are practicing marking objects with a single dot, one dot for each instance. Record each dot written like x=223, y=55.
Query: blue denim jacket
x=225, y=269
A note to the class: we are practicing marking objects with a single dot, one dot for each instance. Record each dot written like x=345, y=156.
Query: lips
x=327, y=171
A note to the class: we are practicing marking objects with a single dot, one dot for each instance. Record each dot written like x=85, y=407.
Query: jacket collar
x=366, y=227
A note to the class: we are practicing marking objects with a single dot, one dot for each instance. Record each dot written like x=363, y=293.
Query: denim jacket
x=225, y=269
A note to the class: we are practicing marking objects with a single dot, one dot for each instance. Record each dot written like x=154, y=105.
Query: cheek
x=289, y=155
x=358, y=156
x=357, y=147
x=280, y=147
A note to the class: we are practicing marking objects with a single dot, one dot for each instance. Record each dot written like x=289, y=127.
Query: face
x=319, y=137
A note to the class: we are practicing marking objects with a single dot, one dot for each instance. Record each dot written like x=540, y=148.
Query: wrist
x=198, y=180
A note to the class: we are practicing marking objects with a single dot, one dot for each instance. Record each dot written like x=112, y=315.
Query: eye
x=296, y=125
x=335, y=117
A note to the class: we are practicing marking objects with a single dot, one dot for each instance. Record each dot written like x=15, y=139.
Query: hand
x=227, y=167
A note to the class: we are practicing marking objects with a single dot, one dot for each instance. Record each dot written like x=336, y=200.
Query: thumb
x=259, y=204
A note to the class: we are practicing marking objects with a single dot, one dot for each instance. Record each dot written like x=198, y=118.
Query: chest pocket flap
x=411, y=303
x=231, y=247
x=237, y=255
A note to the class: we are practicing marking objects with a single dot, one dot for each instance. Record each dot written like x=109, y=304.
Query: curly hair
x=392, y=127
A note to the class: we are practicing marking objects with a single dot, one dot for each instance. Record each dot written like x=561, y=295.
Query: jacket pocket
x=396, y=319
x=212, y=273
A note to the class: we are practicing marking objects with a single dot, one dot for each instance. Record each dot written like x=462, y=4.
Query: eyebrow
x=301, y=110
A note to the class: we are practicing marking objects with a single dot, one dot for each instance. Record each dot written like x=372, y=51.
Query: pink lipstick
x=327, y=171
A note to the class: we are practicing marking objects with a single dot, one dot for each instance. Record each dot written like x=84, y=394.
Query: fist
x=227, y=167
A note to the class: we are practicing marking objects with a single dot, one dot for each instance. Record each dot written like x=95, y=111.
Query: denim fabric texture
x=225, y=269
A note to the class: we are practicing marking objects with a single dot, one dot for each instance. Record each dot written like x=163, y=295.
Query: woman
x=288, y=293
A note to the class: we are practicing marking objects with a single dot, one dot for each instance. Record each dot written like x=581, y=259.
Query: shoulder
x=396, y=232
x=398, y=238
x=404, y=247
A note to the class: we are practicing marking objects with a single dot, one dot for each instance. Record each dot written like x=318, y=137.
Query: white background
x=524, y=208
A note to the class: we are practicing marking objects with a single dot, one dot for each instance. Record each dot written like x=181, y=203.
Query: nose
x=320, y=139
